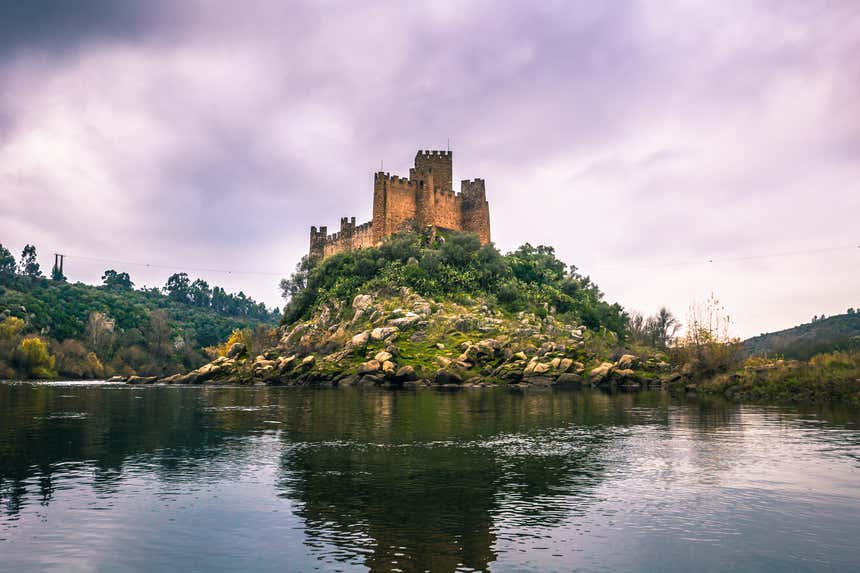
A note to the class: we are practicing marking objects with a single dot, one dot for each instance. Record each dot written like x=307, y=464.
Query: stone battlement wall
x=425, y=200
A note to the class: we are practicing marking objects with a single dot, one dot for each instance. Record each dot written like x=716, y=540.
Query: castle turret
x=318, y=240
x=475, y=208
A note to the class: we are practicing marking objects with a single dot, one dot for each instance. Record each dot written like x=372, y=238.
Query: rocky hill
x=445, y=310
x=840, y=332
x=404, y=339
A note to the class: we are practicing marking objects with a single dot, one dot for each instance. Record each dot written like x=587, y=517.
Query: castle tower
x=318, y=240
x=475, y=209
x=433, y=172
x=437, y=163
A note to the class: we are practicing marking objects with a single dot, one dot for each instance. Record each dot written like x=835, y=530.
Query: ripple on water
x=352, y=481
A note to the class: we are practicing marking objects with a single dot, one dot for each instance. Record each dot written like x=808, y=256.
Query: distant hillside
x=840, y=332
x=94, y=331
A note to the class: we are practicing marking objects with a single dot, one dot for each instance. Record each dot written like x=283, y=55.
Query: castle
x=425, y=202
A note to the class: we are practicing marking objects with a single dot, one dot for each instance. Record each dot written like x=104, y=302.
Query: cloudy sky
x=641, y=139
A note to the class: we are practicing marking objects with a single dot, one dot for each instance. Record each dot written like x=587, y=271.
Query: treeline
x=455, y=265
x=49, y=327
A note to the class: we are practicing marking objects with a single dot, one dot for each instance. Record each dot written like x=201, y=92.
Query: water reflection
x=470, y=480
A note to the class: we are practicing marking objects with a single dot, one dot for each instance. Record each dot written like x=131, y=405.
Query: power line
x=175, y=268
x=731, y=259
x=601, y=267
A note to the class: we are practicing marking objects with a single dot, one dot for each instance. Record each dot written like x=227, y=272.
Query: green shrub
x=457, y=267
x=34, y=360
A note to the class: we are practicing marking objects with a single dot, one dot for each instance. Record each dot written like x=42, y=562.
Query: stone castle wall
x=423, y=201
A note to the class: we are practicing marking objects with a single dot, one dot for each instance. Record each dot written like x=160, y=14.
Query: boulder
x=141, y=379
x=509, y=372
x=236, y=350
x=489, y=347
x=540, y=368
x=383, y=332
x=411, y=319
x=369, y=367
x=382, y=356
x=569, y=380
x=116, y=379
x=565, y=364
x=447, y=377
x=360, y=339
x=626, y=362
x=601, y=372
x=287, y=364
x=388, y=368
x=307, y=362
x=405, y=374
x=625, y=373
x=371, y=379
x=362, y=302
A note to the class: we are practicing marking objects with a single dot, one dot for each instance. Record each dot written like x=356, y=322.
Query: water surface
x=101, y=477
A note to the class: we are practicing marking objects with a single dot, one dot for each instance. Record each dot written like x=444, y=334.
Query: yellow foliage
x=241, y=336
x=837, y=360
x=35, y=359
x=11, y=327
x=95, y=365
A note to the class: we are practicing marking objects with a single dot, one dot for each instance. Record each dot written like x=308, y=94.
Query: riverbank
x=829, y=377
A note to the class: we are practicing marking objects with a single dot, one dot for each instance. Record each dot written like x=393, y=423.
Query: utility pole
x=58, y=265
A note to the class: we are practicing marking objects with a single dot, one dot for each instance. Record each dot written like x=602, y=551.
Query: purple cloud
x=629, y=135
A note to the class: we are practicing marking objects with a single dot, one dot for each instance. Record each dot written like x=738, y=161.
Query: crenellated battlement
x=394, y=179
x=434, y=153
x=423, y=201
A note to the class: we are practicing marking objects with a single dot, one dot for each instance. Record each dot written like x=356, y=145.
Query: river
x=104, y=477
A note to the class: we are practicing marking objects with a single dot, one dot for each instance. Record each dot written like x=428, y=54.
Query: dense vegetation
x=51, y=328
x=455, y=265
x=824, y=334
x=826, y=377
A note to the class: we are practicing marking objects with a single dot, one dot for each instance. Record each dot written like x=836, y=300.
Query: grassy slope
x=841, y=332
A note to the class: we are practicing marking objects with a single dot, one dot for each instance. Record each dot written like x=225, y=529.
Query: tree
x=637, y=327
x=200, y=293
x=57, y=274
x=113, y=279
x=220, y=300
x=34, y=360
x=10, y=327
x=664, y=326
x=178, y=287
x=29, y=266
x=297, y=282
x=7, y=262
x=99, y=332
x=158, y=334
x=851, y=311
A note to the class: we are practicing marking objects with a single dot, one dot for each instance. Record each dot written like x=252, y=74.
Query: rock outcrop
x=405, y=339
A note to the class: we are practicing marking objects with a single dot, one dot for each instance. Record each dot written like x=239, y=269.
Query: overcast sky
x=632, y=136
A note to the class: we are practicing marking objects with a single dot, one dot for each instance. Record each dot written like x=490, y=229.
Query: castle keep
x=425, y=202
